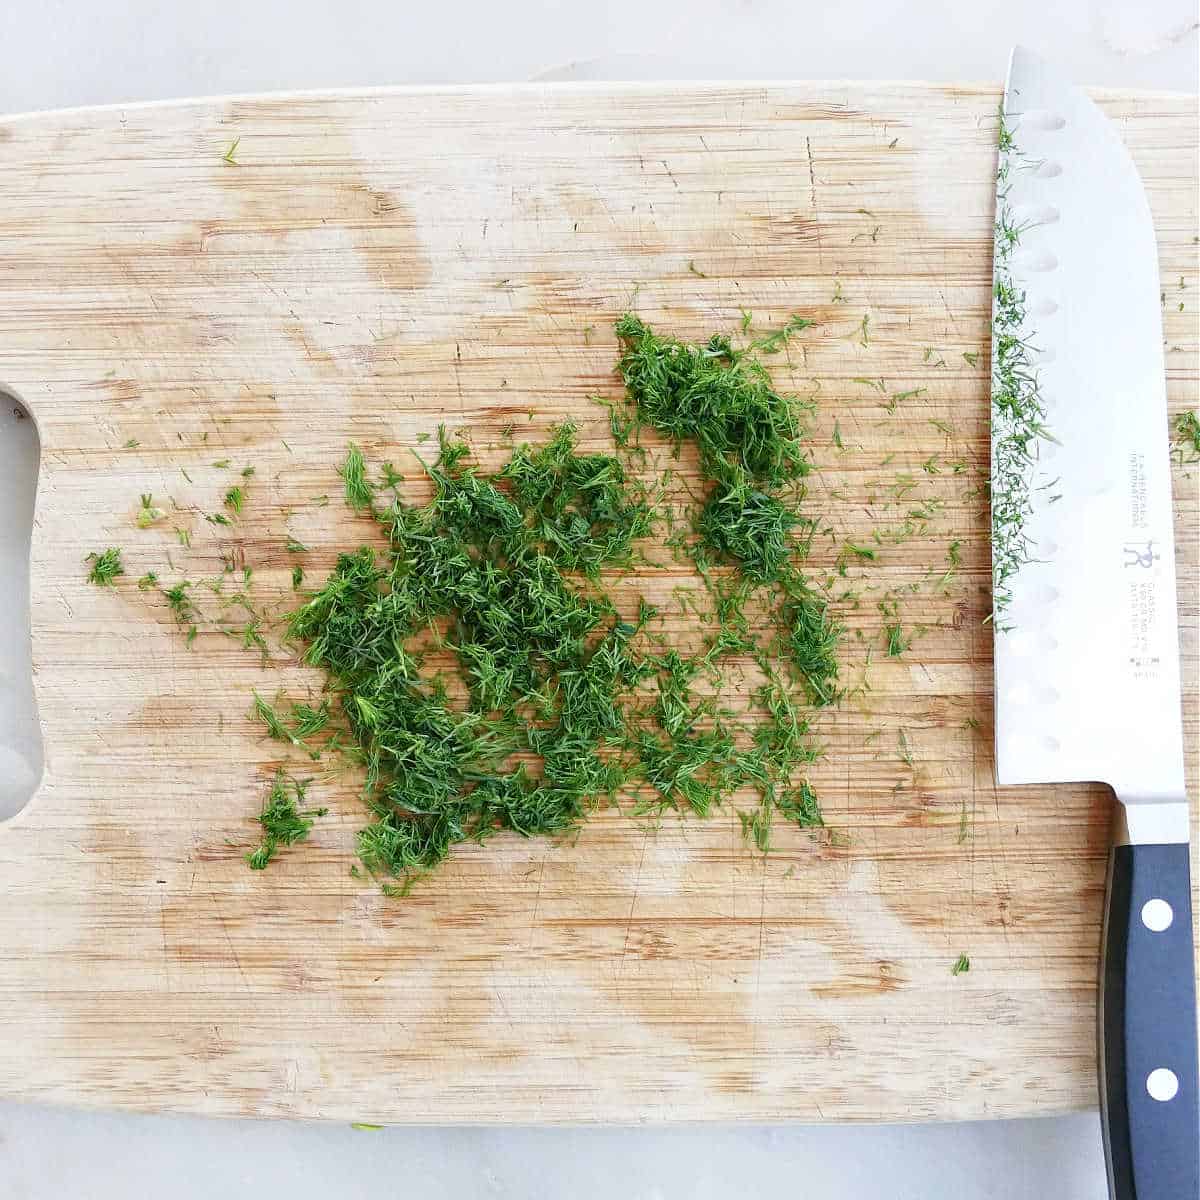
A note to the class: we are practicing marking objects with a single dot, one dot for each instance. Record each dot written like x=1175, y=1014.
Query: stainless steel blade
x=1087, y=651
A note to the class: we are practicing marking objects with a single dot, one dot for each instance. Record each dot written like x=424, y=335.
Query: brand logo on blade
x=1141, y=554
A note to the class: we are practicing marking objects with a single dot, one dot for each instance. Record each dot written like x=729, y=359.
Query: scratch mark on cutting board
x=237, y=962
x=637, y=883
x=812, y=195
x=537, y=900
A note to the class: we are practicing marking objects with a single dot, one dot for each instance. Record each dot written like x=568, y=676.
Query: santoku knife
x=1086, y=645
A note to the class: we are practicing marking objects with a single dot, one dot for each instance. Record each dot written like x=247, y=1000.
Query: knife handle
x=1148, y=1055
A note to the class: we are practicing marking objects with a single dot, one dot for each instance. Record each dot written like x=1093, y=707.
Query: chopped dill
x=179, y=602
x=148, y=513
x=275, y=725
x=105, y=567
x=359, y=492
x=230, y=151
x=775, y=341
x=1185, y=438
x=484, y=680
x=1018, y=409
x=962, y=965
x=283, y=823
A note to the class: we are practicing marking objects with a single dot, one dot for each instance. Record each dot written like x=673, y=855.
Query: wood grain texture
x=376, y=263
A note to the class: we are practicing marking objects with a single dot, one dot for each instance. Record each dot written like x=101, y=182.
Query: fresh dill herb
x=185, y=538
x=971, y=357
x=132, y=444
x=307, y=721
x=275, y=725
x=221, y=463
x=897, y=644
x=962, y=965
x=719, y=398
x=359, y=492
x=1185, y=438
x=247, y=472
x=230, y=151
x=217, y=518
x=147, y=581
x=749, y=526
x=295, y=547
x=775, y=341
x=877, y=384
x=105, y=567
x=234, y=499
x=555, y=701
x=812, y=641
x=1018, y=408
x=837, y=436
x=297, y=577
x=283, y=823
x=252, y=637
x=148, y=512
x=179, y=602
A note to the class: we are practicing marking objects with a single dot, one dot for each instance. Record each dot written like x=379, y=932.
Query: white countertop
x=99, y=51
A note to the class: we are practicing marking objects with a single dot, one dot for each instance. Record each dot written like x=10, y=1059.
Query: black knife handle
x=1148, y=1056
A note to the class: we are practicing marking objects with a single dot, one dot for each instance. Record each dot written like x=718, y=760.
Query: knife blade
x=1087, y=681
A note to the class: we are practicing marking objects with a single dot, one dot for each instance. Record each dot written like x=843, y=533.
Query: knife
x=1086, y=647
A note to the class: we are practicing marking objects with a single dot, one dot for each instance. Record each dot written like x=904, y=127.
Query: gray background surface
x=81, y=52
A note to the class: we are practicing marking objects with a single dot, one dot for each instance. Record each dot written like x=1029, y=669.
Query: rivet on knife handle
x=1148, y=1050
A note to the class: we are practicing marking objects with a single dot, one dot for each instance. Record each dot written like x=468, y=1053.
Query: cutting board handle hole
x=21, y=753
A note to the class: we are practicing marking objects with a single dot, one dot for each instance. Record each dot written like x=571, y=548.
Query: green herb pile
x=574, y=628
x=488, y=680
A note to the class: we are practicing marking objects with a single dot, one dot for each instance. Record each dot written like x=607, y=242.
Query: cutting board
x=363, y=266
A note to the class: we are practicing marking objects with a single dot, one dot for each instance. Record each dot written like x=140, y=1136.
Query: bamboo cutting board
x=368, y=265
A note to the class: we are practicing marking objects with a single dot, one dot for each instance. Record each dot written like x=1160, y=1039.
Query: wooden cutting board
x=371, y=264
